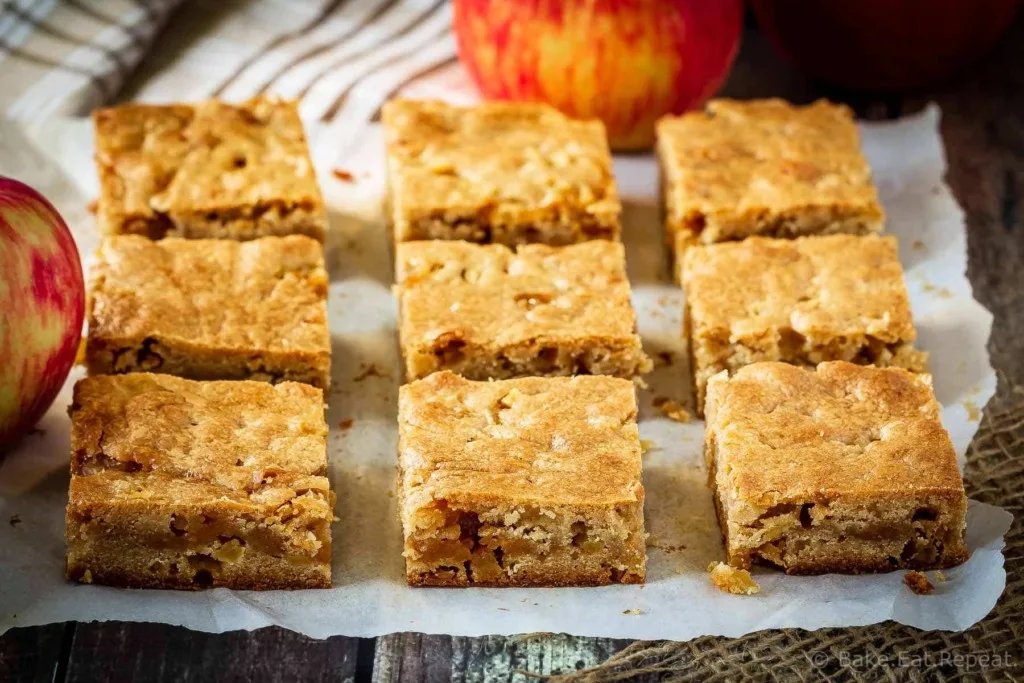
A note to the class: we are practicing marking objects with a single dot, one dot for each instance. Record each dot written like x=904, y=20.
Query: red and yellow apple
x=627, y=62
x=884, y=44
x=42, y=304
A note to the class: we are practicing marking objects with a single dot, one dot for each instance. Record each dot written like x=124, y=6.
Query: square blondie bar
x=764, y=167
x=206, y=170
x=502, y=172
x=181, y=484
x=801, y=301
x=210, y=309
x=487, y=311
x=523, y=482
x=843, y=468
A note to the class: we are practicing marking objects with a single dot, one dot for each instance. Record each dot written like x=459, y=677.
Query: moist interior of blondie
x=556, y=230
x=112, y=356
x=696, y=227
x=713, y=352
x=247, y=222
x=146, y=529
x=552, y=358
x=817, y=535
x=477, y=543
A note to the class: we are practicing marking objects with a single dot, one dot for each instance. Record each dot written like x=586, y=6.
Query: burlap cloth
x=992, y=650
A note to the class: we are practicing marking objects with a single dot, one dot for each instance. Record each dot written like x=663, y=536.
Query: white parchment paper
x=369, y=596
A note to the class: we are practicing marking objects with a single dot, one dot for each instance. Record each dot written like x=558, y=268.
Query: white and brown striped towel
x=343, y=58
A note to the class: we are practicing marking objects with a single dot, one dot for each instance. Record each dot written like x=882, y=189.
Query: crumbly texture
x=502, y=172
x=801, y=301
x=731, y=580
x=764, y=167
x=844, y=468
x=486, y=311
x=524, y=482
x=918, y=583
x=210, y=309
x=182, y=484
x=206, y=170
x=672, y=410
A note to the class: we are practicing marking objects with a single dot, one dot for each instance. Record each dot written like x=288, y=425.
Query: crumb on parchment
x=633, y=611
x=671, y=409
x=647, y=445
x=732, y=580
x=343, y=175
x=918, y=583
x=346, y=424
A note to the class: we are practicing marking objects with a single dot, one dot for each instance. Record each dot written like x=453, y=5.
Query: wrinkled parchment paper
x=369, y=596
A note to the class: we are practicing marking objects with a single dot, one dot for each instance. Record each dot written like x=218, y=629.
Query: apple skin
x=626, y=62
x=43, y=304
x=884, y=45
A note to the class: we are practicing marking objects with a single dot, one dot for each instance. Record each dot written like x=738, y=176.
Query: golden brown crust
x=498, y=172
x=486, y=311
x=764, y=167
x=210, y=309
x=532, y=481
x=796, y=453
x=804, y=301
x=185, y=484
x=206, y=170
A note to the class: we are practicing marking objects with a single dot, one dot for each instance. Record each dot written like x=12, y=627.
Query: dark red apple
x=883, y=44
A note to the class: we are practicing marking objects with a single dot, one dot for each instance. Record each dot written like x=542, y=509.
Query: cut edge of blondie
x=108, y=355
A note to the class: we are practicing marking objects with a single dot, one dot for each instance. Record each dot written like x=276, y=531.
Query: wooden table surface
x=983, y=130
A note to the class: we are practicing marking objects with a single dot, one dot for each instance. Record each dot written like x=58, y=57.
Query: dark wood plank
x=156, y=652
x=418, y=658
x=34, y=655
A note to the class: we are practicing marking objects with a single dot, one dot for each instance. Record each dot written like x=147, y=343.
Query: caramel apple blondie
x=843, y=468
x=522, y=482
x=206, y=170
x=210, y=309
x=488, y=311
x=181, y=484
x=764, y=167
x=801, y=301
x=499, y=172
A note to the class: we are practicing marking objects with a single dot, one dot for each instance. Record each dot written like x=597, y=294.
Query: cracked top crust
x=211, y=157
x=505, y=161
x=787, y=434
x=739, y=158
x=247, y=440
x=820, y=287
x=265, y=295
x=493, y=296
x=542, y=440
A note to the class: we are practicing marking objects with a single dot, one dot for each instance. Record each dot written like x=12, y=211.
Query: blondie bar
x=500, y=172
x=844, y=468
x=522, y=482
x=210, y=309
x=487, y=311
x=801, y=301
x=181, y=484
x=207, y=170
x=764, y=167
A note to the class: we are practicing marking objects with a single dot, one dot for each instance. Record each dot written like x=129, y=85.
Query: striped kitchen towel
x=69, y=56
x=343, y=58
